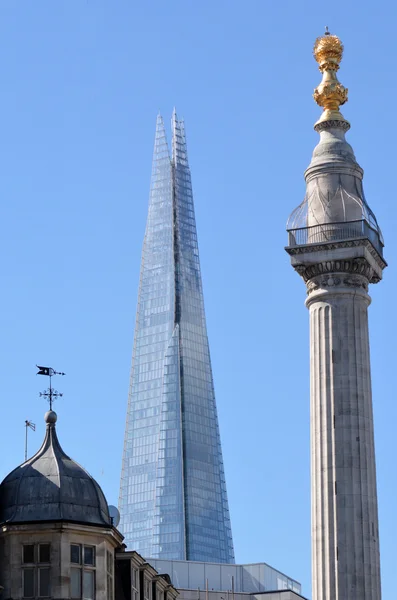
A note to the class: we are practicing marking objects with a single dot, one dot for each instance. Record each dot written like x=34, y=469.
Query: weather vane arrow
x=48, y=371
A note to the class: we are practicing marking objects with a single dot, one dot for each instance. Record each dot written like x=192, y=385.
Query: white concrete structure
x=336, y=246
x=247, y=579
x=200, y=595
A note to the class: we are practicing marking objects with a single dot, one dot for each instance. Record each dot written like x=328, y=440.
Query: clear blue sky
x=82, y=82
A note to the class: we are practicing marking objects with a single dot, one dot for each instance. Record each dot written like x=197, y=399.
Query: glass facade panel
x=173, y=500
x=196, y=575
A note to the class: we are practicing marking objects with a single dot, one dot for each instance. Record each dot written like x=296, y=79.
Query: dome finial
x=330, y=94
x=50, y=417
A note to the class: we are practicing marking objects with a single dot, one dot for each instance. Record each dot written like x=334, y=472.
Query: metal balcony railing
x=335, y=232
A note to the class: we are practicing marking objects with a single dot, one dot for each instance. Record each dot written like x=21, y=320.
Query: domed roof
x=50, y=486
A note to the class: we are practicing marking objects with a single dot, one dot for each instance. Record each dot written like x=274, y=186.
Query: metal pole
x=26, y=441
x=33, y=428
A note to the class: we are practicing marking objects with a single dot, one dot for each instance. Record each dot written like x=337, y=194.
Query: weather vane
x=50, y=393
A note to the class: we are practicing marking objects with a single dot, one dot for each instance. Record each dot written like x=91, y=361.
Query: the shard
x=173, y=501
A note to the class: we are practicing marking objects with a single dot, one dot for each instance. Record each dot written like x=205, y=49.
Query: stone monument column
x=345, y=537
x=336, y=246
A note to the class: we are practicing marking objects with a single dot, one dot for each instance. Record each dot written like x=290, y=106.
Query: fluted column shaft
x=345, y=539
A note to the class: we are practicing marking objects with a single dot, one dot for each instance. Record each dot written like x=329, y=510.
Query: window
x=28, y=583
x=75, y=583
x=75, y=554
x=44, y=582
x=36, y=570
x=146, y=589
x=82, y=572
x=89, y=555
x=109, y=574
x=88, y=584
x=134, y=584
x=28, y=553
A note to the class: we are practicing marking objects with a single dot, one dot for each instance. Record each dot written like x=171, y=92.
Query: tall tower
x=173, y=500
x=336, y=246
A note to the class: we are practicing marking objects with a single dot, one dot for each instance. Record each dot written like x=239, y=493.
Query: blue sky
x=82, y=82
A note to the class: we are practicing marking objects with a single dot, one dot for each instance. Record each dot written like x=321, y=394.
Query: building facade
x=173, y=500
x=336, y=246
x=57, y=540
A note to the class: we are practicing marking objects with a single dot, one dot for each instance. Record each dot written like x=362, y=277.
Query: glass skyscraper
x=173, y=500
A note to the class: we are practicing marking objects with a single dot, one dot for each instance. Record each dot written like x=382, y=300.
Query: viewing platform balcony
x=336, y=232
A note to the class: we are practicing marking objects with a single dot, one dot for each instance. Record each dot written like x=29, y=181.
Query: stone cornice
x=304, y=249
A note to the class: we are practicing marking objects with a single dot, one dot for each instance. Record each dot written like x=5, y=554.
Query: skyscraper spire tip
x=174, y=118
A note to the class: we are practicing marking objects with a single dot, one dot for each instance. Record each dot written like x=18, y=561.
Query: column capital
x=336, y=284
x=337, y=270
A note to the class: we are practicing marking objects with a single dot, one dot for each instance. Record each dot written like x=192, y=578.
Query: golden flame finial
x=330, y=94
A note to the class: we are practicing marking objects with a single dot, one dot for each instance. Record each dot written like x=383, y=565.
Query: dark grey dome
x=50, y=486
